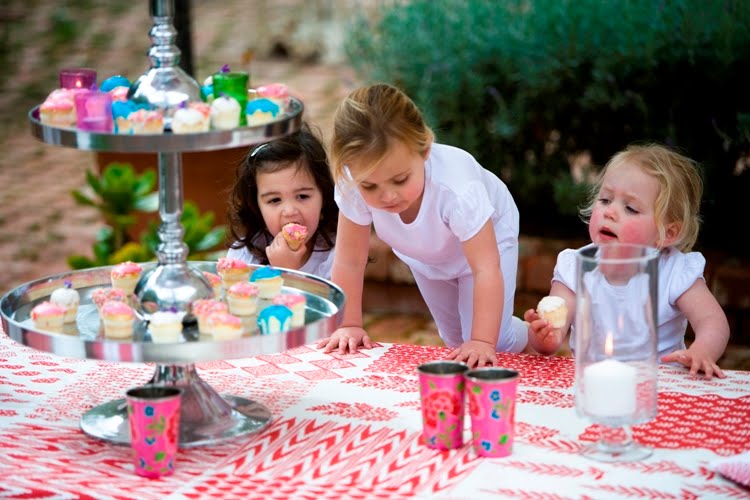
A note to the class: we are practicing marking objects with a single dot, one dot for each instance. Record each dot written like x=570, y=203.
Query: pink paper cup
x=441, y=389
x=492, y=407
x=154, y=415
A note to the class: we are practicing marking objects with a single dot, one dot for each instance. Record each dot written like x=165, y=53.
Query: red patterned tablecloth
x=349, y=427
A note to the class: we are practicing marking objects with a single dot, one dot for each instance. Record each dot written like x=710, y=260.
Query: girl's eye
x=367, y=187
x=273, y=201
x=604, y=201
x=303, y=196
x=631, y=210
x=400, y=181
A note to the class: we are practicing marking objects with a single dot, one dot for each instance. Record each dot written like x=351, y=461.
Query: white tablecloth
x=349, y=427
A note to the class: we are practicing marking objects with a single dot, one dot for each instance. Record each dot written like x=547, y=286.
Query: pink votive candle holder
x=94, y=111
x=441, y=389
x=154, y=415
x=492, y=407
x=78, y=78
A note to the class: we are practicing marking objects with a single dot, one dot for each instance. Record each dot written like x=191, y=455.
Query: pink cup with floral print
x=492, y=407
x=441, y=388
x=154, y=414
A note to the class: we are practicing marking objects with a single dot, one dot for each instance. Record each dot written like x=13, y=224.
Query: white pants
x=451, y=304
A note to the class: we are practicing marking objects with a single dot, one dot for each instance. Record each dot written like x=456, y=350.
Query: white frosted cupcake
x=225, y=113
x=118, y=320
x=67, y=298
x=225, y=326
x=165, y=326
x=193, y=118
x=553, y=310
x=296, y=303
x=242, y=298
x=48, y=316
x=269, y=281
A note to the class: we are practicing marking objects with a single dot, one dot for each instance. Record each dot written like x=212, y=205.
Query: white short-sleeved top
x=677, y=273
x=460, y=196
x=319, y=264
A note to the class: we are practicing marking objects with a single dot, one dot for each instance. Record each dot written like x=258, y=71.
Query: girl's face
x=624, y=210
x=289, y=195
x=397, y=184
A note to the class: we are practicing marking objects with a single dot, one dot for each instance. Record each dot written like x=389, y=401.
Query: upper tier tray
x=84, y=339
x=289, y=122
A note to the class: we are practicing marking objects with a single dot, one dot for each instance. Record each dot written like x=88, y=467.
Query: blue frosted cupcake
x=268, y=280
x=275, y=319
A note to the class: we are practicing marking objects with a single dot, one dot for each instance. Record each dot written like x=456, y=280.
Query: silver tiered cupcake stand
x=172, y=282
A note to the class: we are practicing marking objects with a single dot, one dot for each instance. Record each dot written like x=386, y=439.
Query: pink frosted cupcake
x=215, y=282
x=294, y=234
x=100, y=296
x=225, y=326
x=118, y=320
x=58, y=109
x=242, y=298
x=277, y=93
x=296, y=303
x=203, y=308
x=125, y=276
x=232, y=271
x=48, y=316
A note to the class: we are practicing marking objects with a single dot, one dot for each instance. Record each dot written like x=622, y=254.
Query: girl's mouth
x=606, y=232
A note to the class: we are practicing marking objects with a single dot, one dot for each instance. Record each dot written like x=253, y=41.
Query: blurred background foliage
x=543, y=92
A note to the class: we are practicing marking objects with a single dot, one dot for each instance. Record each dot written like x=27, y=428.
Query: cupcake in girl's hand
x=242, y=298
x=118, y=320
x=275, y=319
x=125, y=276
x=100, y=296
x=232, y=271
x=296, y=303
x=215, y=281
x=203, y=308
x=48, y=316
x=68, y=298
x=224, y=326
x=294, y=234
x=165, y=326
x=269, y=281
x=553, y=310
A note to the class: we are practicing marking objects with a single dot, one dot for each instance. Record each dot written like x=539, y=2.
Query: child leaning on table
x=451, y=221
x=649, y=195
x=283, y=181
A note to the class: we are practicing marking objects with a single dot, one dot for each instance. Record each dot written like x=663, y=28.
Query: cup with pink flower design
x=491, y=392
x=154, y=415
x=441, y=389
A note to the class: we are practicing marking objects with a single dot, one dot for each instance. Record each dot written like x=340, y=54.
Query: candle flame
x=78, y=84
x=609, y=345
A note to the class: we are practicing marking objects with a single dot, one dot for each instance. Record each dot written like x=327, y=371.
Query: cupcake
x=275, y=319
x=125, y=276
x=294, y=234
x=296, y=303
x=48, y=316
x=192, y=118
x=118, y=320
x=144, y=121
x=215, y=281
x=67, y=298
x=553, y=310
x=225, y=113
x=165, y=326
x=278, y=93
x=119, y=94
x=102, y=295
x=232, y=271
x=269, y=281
x=58, y=109
x=242, y=298
x=203, y=308
x=224, y=326
x=261, y=111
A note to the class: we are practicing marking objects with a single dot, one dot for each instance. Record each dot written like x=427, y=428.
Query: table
x=349, y=426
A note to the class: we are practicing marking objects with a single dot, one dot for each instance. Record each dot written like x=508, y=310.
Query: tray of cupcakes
x=111, y=116
x=95, y=314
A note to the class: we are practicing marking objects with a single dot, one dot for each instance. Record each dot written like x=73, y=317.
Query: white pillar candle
x=609, y=389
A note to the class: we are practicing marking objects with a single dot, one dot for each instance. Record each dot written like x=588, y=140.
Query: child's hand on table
x=346, y=338
x=475, y=353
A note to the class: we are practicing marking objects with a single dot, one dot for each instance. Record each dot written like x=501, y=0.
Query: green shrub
x=526, y=85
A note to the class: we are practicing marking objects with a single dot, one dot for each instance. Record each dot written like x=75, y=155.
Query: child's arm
x=543, y=338
x=484, y=260
x=711, y=331
x=352, y=248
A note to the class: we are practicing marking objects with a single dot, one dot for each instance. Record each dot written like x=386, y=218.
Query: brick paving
x=41, y=225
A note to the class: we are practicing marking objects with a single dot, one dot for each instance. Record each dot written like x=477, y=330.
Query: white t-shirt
x=460, y=196
x=319, y=264
x=677, y=273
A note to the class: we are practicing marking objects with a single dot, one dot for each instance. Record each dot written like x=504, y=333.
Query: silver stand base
x=205, y=417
